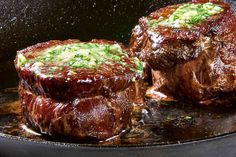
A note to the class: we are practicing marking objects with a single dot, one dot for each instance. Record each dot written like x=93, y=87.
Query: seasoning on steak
x=191, y=49
x=68, y=69
x=78, y=89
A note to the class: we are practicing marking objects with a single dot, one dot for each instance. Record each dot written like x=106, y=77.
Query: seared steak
x=79, y=89
x=49, y=71
x=191, y=49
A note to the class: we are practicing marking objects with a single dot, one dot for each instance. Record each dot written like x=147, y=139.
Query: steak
x=192, y=55
x=79, y=89
x=56, y=80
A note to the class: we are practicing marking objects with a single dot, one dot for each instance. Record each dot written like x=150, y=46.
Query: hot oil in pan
x=162, y=123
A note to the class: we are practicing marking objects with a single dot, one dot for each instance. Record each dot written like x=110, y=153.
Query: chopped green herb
x=21, y=60
x=187, y=15
x=81, y=55
x=139, y=65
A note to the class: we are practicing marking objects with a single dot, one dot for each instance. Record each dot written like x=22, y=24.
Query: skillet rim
x=111, y=147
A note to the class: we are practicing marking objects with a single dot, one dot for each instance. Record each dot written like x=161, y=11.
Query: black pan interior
x=27, y=22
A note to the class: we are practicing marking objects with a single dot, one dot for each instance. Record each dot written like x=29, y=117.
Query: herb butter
x=79, y=55
x=187, y=15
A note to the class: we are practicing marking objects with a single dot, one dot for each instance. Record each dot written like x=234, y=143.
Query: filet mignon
x=191, y=49
x=79, y=89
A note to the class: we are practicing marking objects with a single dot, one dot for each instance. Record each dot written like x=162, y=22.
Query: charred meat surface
x=67, y=69
x=98, y=117
x=191, y=49
x=79, y=89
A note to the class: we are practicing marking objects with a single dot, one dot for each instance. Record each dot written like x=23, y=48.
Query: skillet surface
x=28, y=22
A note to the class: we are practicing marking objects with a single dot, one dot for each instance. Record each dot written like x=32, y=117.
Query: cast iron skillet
x=27, y=22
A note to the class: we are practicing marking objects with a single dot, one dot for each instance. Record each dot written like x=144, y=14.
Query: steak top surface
x=69, y=69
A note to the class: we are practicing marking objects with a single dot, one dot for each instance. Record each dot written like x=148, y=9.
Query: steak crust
x=95, y=117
